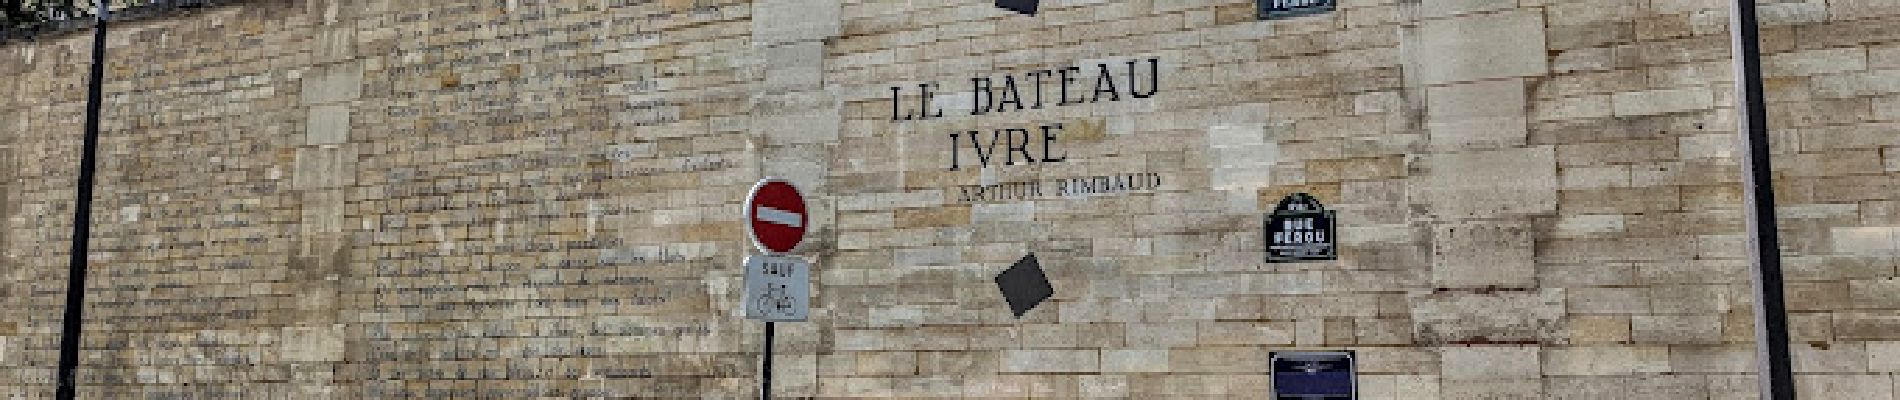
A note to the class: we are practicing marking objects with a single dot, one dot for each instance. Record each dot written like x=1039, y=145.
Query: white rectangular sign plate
x=777, y=288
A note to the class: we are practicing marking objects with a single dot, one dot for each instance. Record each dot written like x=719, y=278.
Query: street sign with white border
x=777, y=288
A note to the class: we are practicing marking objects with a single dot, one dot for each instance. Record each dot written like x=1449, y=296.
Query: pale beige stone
x=325, y=166
x=328, y=124
x=1482, y=46
x=1663, y=101
x=1502, y=316
x=1867, y=241
x=795, y=20
x=1870, y=387
x=1883, y=356
x=1044, y=361
x=1606, y=360
x=1479, y=115
x=1490, y=183
x=333, y=83
x=1487, y=253
x=1832, y=358
x=306, y=344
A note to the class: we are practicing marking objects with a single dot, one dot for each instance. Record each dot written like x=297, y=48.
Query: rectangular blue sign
x=1277, y=9
x=1314, y=375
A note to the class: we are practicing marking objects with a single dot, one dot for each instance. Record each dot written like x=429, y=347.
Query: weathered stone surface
x=1486, y=184
x=382, y=199
x=1481, y=46
x=1479, y=115
x=1502, y=316
x=1487, y=253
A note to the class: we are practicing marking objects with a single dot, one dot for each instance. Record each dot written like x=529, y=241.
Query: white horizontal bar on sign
x=781, y=217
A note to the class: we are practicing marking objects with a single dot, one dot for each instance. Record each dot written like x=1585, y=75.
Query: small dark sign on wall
x=1314, y=375
x=1027, y=7
x=1300, y=229
x=1277, y=9
x=1024, y=285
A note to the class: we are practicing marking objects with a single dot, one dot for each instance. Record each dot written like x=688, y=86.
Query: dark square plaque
x=1024, y=286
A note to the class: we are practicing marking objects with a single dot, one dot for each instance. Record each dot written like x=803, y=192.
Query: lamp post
x=1771, y=313
x=82, y=215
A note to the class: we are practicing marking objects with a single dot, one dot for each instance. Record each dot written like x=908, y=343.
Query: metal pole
x=82, y=215
x=1771, y=313
x=765, y=382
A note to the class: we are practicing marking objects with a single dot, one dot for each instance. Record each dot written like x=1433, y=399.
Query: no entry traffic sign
x=775, y=216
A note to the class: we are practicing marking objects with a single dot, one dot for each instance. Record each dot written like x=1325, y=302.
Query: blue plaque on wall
x=1300, y=229
x=1314, y=375
x=1277, y=9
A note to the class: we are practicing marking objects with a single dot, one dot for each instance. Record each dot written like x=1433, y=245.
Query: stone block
x=1676, y=329
x=1249, y=360
x=1481, y=46
x=1669, y=387
x=1730, y=358
x=1494, y=183
x=1520, y=389
x=780, y=21
x=333, y=83
x=1829, y=357
x=1491, y=372
x=1606, y=360
x=1689, y=299
x=1878, y=241
x=325, y=167
x=1664, y=101
x=799, y=118
x=1589, y=329
x=1478, y=115
x=1484, y=253
x=1876, y=293
x=793, y=66
x=1439, y=9
x=1608, y=300
x=334, y=45
x=1586, y=387
x=1051, y=361
x=312, y=345
x=1858, y=387
x=327, y=124
x=1854, y=9
x=1815, y=62
x=1883, y=357
x=1398, y=387
x=1502, y=316
x=1130, y=361
x=1878, y=82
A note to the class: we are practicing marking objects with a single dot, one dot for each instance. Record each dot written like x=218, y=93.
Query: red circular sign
x=775, y=216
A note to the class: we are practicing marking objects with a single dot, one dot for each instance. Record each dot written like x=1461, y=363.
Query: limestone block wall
x=374, y=198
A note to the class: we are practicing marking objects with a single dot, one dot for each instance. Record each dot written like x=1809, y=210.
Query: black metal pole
x=765, y=381
x=82, y=216
x=1771, y=313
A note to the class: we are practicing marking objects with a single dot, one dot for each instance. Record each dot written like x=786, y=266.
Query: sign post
x=777, y=285
x=1774, y=366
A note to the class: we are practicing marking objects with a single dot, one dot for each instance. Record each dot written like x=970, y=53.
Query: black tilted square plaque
x=1027, y=7
x=1277, y=9
x=1024, y=286
x=1300, y=229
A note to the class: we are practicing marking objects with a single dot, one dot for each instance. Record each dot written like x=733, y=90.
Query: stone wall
x=377, y=198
